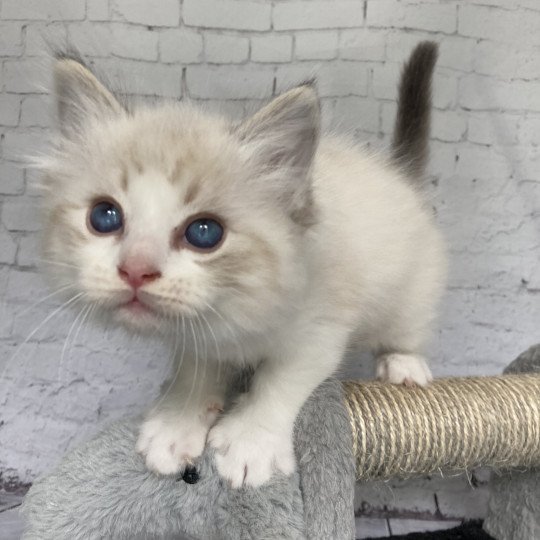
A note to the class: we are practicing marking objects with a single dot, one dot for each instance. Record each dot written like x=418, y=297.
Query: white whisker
x=66, y=342
x=81, y=324
x=44, y=299
x=218, y=352
x=38, y=328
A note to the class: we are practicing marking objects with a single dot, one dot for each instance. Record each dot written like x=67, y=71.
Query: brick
x=20, y=145
x=144, y=12
x=39, y=36
x=225, y=49
x=8, y=247
x=271, y=48
x=24, y=76
x=445, y=90
x=29, y=250
x=60, y=10
x=316, y=45
x=356, y=114
x=529, y=4
x=442, y=159
x=435, y=17
x=529, y=166
x=362, y=44
x=235, y=109
x=456, y=52
x=33, y=180
x=10, y=38
x=385, y=13
x=484, y=93
x=145, y=78
x=91, y=40
x=317, y=14
x=529, y=130
x=506, y=62
x=11, y=179
x=328, y=117
x=98, y=10
x=224, y=83
x=134, y=42
x=485, y=128
x=229, y=14
x=388, y=117
x=21, y=215
x=500, y=272
x=482, y=163
x=10, y=105
x=488, y=23
x=339, y=79
x=180, y=45
x=448, y=126
x=36, y=111
x=385, y=81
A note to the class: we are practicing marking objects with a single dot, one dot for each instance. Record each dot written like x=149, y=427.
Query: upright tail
x=412, y=128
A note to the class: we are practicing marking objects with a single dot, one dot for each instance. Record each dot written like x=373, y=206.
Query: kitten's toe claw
x=169, y=442
x=406, y=369
x=249, y=456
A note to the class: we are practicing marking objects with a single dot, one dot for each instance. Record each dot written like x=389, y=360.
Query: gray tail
x=411, y=132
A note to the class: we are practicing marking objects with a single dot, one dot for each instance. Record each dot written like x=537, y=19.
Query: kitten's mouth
x=136, y=307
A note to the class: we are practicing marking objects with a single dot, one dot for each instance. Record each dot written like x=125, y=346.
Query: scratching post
x=453, y=425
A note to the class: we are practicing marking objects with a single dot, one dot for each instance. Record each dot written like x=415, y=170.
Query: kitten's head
x=167, y=213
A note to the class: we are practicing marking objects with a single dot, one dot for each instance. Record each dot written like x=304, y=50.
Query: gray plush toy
x=103, y=490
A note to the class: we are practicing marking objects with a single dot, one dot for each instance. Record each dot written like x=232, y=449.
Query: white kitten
x=252, y=243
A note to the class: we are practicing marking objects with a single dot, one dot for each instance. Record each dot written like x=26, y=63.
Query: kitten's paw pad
x=406, y=369
x=169, y=443
x=249, y=456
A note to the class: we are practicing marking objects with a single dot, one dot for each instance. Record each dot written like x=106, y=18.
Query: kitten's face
x=167, y=215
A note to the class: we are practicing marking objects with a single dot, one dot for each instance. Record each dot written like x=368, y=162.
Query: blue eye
x=204, y=233
x=105, y=217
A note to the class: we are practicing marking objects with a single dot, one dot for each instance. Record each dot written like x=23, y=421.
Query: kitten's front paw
x=247, y=454
x=407, y=369
x=169, y=442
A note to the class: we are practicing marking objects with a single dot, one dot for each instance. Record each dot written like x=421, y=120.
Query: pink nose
x=138, y=273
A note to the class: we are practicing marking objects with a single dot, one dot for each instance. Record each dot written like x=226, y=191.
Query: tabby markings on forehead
x=124, y=178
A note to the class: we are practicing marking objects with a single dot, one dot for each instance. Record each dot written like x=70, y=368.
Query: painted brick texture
x=61, y=377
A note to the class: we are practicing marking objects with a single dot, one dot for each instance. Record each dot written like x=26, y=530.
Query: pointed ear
x=286, y=131
x=282, y=139
x=80, y=97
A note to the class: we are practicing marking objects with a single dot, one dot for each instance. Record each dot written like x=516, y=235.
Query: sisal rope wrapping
x=453, y=424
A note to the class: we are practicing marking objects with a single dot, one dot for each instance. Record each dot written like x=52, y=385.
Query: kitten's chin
x=137, y=316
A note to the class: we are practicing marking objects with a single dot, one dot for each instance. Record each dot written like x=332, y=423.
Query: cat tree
x=346, y=431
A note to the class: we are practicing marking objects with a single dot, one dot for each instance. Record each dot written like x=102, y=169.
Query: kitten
x=259, y=243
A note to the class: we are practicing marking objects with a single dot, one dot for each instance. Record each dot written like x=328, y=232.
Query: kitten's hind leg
x=173, y=434
x=401, y=368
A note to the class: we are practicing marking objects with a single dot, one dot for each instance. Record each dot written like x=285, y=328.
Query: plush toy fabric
x=103, y=490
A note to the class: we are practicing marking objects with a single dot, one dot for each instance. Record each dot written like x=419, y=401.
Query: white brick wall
x=485, y=167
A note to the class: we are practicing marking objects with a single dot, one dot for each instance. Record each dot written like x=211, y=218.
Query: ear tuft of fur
x=80, y=96
x=412, y=128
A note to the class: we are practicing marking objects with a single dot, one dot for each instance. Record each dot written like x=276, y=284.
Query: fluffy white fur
x=324, y=244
